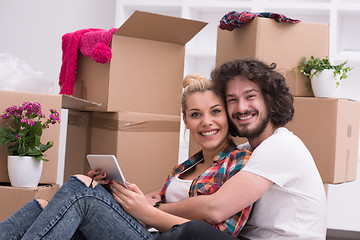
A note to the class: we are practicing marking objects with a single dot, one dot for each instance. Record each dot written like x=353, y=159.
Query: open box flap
x=157, y=27
x=70, y=102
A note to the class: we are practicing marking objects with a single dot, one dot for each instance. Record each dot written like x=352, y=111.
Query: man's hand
x=153, y=197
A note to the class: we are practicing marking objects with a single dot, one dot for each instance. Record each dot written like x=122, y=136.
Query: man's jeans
x=75, y=210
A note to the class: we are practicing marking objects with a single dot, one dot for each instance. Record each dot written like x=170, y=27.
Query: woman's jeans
x=75, y=210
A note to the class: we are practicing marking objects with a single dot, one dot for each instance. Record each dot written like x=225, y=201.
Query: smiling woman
x=206, y=119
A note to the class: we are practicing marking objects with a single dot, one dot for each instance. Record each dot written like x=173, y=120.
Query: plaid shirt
x=234, y=19
x=226, y=164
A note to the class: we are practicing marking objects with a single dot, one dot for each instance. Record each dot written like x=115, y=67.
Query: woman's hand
x=132, y=200
x=95, y=174
x=153, y=197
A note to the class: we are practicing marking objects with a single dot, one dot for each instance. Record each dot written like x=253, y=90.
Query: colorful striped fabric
x=235, y=19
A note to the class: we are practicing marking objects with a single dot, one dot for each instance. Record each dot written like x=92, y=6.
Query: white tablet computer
x=109, y=165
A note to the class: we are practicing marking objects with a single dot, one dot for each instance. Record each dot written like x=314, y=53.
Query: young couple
x=212, y=194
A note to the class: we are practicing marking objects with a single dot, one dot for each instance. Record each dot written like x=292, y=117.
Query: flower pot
x=24, y=171
x=323, y=84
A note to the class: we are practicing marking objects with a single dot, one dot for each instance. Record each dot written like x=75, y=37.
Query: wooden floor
x=334, y=234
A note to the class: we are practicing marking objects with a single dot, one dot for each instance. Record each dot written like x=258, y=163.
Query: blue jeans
x=74, y=208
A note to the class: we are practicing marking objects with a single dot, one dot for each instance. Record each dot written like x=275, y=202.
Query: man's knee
x=195, y=229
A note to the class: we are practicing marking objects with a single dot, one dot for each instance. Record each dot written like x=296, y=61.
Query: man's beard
x=243, y=131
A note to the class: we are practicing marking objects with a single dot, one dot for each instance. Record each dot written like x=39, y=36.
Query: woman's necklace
x=200, y=161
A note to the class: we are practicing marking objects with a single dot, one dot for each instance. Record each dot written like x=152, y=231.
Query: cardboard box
x=13, y=198
x=77, y=143
x=282, y=43
x=298, y=83
x=145, y=73
x=329, y=127
x=48, y=101
x=146, y=145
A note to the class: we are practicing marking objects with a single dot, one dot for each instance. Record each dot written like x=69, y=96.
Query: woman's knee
x=86, y=180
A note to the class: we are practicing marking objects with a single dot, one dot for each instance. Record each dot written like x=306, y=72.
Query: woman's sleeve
x=235, y=162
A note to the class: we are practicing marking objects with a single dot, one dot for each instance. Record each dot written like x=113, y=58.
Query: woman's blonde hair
x=194, y=83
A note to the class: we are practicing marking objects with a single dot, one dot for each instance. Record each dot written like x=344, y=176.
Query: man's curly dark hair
x=278, y=99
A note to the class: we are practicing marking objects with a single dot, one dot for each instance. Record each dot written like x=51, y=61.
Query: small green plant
x=312, y=66
x=22, y=135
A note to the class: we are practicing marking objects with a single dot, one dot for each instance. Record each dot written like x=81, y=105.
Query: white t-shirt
x=294, y=207
x=178, y=190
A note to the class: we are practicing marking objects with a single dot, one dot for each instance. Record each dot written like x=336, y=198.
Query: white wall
x=32, y=29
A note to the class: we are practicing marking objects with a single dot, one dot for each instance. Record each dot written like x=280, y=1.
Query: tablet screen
x=109, y=165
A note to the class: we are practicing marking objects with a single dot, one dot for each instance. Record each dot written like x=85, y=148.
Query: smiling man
x=246, y=106
x=281, y=177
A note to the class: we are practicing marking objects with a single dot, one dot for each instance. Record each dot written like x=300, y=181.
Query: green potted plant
x=22, y=137
x=318, y=70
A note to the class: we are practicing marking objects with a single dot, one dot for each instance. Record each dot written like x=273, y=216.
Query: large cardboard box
x=329, y=127
x=13, y=198
x=282, y=43
x=77, y=143
x=48, y=101
x=146, y=70
x=146, y=145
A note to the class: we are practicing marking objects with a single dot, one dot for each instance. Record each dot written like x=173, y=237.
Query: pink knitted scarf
x=92, y=42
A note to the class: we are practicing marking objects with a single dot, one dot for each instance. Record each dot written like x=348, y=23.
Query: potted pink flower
x=22, y=134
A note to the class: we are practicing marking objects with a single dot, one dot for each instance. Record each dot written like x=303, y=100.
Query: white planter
x=24, y=171
x=324, y=84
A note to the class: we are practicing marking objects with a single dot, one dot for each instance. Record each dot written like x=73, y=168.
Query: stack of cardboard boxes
x=139, y=91
x=329, y=127
x=137, y=112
